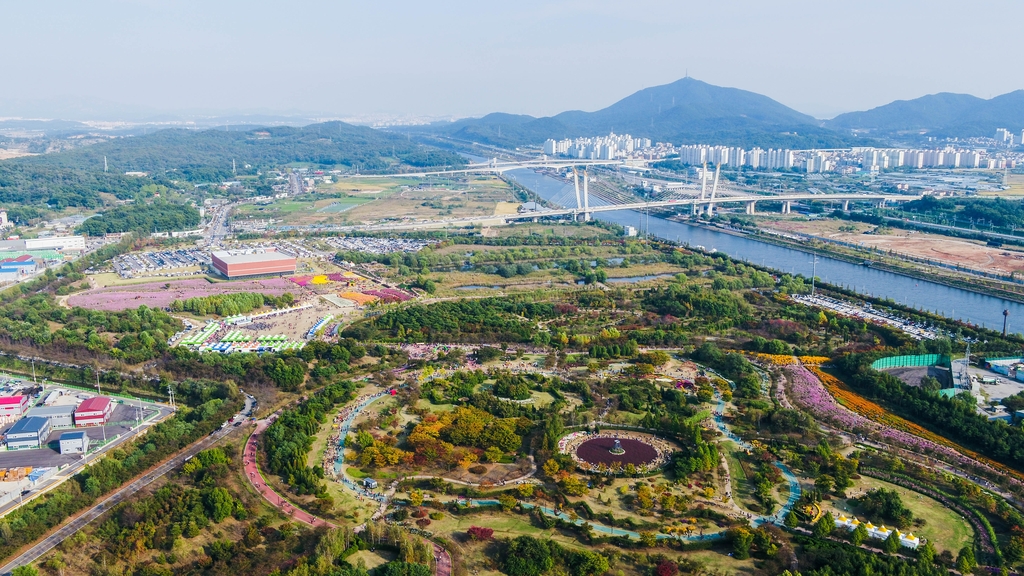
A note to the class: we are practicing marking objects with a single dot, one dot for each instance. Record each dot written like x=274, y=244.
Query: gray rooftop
x=47, y=411
x=229, y=258
x=29, y=424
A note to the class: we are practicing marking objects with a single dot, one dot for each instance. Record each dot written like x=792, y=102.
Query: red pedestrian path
x=443, y=560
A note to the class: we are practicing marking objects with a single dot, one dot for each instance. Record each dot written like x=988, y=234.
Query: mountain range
x=943, y=115
x=690, y=111
x=685, y=111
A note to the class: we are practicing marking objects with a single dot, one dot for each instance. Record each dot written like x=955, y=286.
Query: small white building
x=76, y=442
x=878, y=532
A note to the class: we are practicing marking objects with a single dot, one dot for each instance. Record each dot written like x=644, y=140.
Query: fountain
x=617, y=448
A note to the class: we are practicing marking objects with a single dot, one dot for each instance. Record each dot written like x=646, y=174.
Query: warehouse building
x=76, y=442
x=13, y=406
x=241, y=265
x=94, y=411
x=27, y=433
x=59, y=416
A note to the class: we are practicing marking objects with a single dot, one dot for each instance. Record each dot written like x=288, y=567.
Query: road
x=84, y=518
x=64, y=475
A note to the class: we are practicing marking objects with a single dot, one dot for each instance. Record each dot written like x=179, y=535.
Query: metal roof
x=28, y=424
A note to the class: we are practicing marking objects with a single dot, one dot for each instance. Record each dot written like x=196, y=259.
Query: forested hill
x=943, y=114
x=75, y=177
x=687, y=111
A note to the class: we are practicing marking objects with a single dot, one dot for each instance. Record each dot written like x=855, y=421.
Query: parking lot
x=183, y=262
x=377, y=245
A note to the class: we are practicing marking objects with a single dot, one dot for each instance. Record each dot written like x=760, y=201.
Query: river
x=948, y=301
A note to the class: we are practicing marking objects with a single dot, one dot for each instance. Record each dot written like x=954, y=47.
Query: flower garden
x=829, y=400
x=160, y=294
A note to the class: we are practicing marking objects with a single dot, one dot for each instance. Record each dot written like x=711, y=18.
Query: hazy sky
x=338, y=57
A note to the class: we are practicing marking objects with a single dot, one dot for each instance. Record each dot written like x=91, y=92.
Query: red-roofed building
x=94, y=411
x=13, y=405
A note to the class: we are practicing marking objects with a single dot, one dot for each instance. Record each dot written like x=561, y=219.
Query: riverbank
x=961, y=280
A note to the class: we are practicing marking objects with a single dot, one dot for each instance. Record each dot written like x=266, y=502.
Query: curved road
x=443, y=560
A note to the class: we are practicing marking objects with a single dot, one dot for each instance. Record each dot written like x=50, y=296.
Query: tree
x=527, y=556
x=859, y=535
x=824, y=526
x=666, y=568
x=891, y=544
x=219, y=504
x=480, y=533
x=742, y=538
x=926, y=554
x=416, y=497
x=965, y=561
x=525, y=490
x=648, y=538
x=792, y=521
x=25, y=571
x=493, y=454
x=507, y=501
x=587, y=563
x=825, y=483
x=551, y=468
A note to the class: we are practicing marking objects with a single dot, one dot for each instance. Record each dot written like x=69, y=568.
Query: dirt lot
x=968, y=253
x=912, y=376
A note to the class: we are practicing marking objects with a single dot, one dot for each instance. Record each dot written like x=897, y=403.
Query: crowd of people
x=334, y=456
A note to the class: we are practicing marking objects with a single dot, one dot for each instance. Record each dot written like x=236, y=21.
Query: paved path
x=443, y=560
x=252, y=472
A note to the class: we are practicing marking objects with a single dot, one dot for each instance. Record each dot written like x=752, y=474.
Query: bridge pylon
x=586, y=197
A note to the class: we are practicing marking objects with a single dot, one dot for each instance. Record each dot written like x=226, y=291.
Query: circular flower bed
x=599, y=451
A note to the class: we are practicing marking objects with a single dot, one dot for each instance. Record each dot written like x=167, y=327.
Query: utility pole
x=102, y=424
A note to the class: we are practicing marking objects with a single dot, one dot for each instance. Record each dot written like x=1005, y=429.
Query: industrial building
x=94, y=411
x=62, y=416
x=60, y=243
x=76, y=442
x=13, y=406
x=28, y=433
x=240, y=264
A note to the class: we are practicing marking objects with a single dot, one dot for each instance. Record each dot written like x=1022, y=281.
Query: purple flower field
x=158, y=295
x=807, y=391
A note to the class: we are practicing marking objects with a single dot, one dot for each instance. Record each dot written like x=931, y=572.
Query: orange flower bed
x=814, y=360
x=361, y=299
x=872, y=411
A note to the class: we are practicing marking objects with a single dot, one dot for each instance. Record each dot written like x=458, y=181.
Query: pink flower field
x=158, y=295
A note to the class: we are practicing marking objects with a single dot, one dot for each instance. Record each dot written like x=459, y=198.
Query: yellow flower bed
x=814, y=360
x=775, y=359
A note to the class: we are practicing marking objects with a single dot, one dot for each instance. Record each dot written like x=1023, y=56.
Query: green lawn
x=945, y=529
x=742, y=490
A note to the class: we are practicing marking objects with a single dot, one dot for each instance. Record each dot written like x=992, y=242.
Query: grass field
x=742, y=490
x=945, y=529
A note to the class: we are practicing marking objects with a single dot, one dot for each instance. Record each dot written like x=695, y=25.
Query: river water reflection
x=948, y=301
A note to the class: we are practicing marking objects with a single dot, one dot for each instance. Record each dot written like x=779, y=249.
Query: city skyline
x=156, y=58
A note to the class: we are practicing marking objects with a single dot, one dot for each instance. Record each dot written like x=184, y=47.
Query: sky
x=117, y=59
